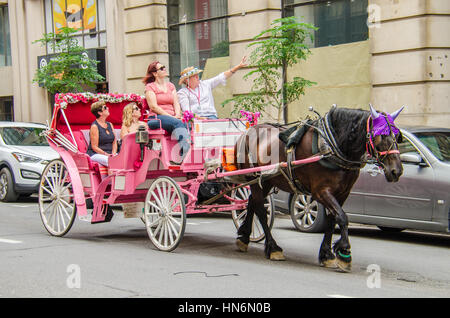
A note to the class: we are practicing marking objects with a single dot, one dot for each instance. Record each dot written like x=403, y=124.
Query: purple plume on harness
x=381, y=127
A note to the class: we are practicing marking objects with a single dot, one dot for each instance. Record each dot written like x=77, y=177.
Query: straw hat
x=188, y=72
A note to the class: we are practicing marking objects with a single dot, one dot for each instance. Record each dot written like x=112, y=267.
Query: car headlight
x=25, y=158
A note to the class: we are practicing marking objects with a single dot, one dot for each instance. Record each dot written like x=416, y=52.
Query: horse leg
x=271, y=249
x=245, y=229
x=326, y=256
x=341, y=247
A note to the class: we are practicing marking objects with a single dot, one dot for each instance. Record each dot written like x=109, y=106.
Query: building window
x=198, y=30
x=339, y=21
x=6, y=108
x=86, y=15
x=5, y=42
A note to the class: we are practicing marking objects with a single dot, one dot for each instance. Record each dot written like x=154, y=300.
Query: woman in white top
x=197, y=95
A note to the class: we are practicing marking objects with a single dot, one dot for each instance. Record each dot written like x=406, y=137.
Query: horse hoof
x=329, y=263
x=277, y=256
x=346, y=267
x=241, y=246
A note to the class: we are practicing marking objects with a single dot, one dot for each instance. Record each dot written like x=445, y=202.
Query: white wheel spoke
x=173, y=220
x=56, y=199
x=154, y=205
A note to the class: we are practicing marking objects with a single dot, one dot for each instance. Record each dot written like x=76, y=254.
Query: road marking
x=21, y=206
x=193, y=223
x=9, y=241
x=339, y=296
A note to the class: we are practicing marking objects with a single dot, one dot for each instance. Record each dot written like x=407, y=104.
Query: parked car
x=419, y=200
x=24, y=153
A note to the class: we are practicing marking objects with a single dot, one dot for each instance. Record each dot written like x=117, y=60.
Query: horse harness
x=325, y=144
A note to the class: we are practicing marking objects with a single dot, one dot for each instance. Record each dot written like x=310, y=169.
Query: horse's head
x=383, y=139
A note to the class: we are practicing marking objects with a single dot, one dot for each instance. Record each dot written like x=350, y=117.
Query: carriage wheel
x=56, y=202
x=238, y=216
x=165, y=214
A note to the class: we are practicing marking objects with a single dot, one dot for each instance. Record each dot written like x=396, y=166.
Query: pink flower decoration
x=187, y=116
x=252, y=118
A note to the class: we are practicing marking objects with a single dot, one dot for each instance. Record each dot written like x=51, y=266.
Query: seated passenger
x=103, y=142
x=197, y=96
x=162, y=99
x=130, y=120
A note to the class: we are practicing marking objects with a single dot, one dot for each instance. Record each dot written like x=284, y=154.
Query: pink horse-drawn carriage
x=141, y=176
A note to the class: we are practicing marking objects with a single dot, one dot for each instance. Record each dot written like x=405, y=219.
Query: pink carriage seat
x=82, y=147
x=81, y=141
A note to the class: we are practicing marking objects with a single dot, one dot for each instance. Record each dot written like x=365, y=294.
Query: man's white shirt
x=189, y=98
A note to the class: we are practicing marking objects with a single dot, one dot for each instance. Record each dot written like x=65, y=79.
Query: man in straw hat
x=197, y=95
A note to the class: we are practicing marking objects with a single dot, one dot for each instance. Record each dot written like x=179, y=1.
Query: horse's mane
x=349, y=129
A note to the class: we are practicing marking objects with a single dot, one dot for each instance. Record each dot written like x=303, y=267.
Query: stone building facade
x=385, y=52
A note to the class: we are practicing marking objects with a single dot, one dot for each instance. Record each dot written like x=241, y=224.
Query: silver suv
x=24, y=153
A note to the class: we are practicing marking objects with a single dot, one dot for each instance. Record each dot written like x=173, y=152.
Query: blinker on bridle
x=370, y=147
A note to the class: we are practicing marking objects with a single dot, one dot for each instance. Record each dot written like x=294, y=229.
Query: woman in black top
x=103, y=143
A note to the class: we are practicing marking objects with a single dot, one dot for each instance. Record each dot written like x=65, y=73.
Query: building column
x=145, y=39
x=410, y=62
x=247, y=19
x=30, y=101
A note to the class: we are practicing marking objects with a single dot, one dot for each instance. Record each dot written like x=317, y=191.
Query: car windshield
x=23, y=136
x=438, y=143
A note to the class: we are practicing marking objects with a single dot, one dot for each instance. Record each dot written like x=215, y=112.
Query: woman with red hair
x=162, y=99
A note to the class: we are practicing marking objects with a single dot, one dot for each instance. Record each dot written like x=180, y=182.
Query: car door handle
x=374, y=171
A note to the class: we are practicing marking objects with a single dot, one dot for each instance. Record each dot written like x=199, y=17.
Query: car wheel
x=307, y=214
x=7, y=193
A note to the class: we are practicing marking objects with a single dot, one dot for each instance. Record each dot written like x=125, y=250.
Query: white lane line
x=339, y=296
x=9, y=241
x=21, y=206
x=193, y=223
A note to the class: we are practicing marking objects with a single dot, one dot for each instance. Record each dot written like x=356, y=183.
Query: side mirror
x=411, y=157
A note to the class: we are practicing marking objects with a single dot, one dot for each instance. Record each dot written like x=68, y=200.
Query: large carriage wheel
x=56, y=202
x=165, y=214
x=238, y=216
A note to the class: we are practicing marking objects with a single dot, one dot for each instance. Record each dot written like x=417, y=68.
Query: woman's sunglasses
x=136, y=108
x=162, y=68
x=104, y=107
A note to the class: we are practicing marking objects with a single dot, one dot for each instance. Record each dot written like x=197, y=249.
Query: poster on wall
x=76, y=14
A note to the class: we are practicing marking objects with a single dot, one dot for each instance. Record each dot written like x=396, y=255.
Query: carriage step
x=108, y=217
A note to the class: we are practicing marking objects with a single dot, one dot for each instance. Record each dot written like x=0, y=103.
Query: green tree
x=70, y=68
x=274, y=50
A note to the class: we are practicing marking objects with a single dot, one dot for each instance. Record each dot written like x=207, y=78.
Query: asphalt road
x=117, y=259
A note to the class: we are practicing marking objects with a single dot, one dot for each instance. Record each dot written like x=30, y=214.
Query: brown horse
x=347, y=137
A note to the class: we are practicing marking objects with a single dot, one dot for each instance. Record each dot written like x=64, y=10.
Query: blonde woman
x=130, y=120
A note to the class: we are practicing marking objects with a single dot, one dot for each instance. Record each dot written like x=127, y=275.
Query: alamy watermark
x=74, y=278
x=374, y=279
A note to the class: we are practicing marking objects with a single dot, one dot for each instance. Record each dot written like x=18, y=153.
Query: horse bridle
x=370, y=147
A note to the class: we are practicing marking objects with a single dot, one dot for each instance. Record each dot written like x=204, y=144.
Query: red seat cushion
x=79, y=139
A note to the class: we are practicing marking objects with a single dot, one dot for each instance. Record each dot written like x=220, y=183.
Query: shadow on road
x=407, y=236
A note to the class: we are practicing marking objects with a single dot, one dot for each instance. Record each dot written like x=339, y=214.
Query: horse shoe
x=346, y=267
x=241, y=246
x=277, y=256
x=329, y=263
